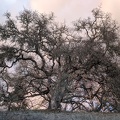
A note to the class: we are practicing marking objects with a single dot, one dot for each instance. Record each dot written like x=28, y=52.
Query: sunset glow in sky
x=65, y=10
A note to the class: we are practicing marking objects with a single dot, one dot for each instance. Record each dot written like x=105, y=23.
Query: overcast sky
x=65, y=10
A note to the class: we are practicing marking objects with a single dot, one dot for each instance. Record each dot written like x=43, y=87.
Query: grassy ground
x=56, y=115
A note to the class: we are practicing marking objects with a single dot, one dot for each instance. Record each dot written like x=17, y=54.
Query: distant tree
x=73, y=70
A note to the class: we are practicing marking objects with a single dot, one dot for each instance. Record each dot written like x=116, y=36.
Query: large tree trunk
x=58, y=92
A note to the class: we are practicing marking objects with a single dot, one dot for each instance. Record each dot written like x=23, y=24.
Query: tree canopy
x=67, y=68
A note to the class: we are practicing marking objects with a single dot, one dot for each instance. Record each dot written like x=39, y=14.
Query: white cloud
x=10, y=1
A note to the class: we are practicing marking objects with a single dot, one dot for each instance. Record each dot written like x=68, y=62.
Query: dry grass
x=56, y=115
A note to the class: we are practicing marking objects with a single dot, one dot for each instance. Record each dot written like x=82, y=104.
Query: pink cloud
x=47, y=5
x=68, y=10
x=113, y=7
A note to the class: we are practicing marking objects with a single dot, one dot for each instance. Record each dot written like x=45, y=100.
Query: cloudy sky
x=65, y=10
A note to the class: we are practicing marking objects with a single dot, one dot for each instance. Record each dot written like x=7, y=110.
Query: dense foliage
x=69, y=69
